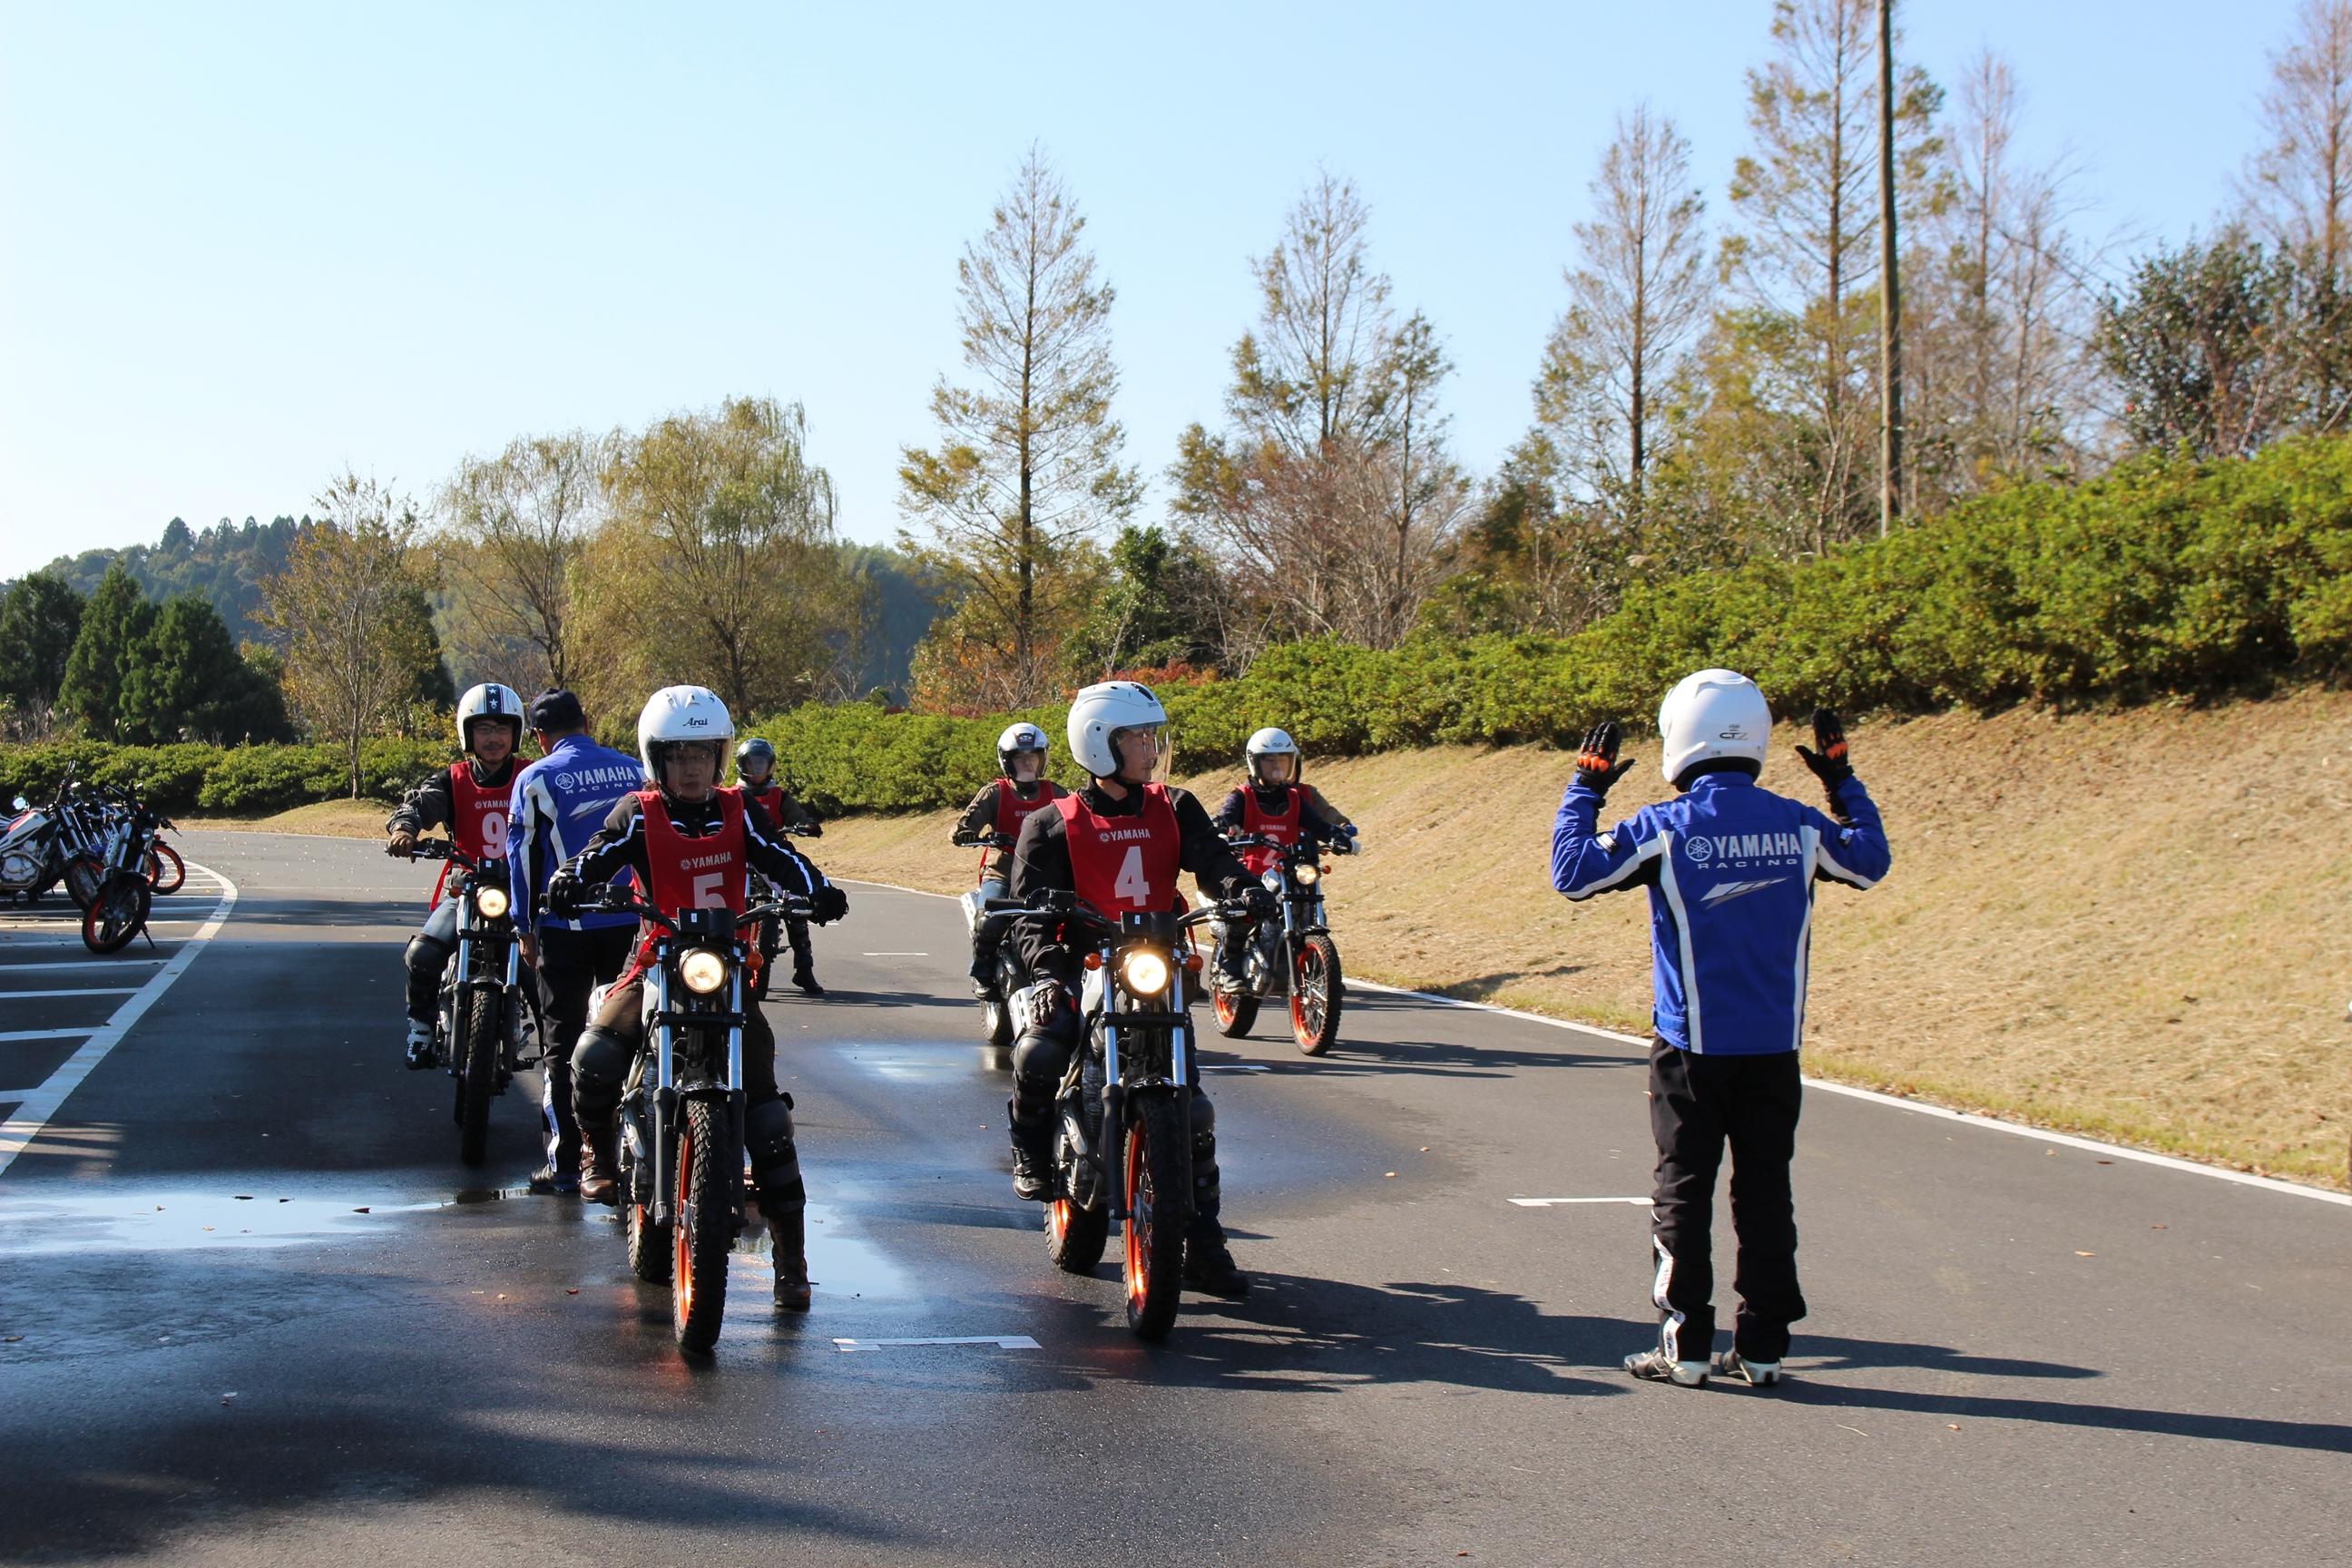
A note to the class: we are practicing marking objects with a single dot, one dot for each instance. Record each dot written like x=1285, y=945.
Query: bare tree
x=1026, y=471
x=1639, y=288
x=512, y=528
x=349, y=607
x=2298, y=187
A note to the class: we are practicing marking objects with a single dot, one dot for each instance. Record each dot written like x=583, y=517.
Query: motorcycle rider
x=1730, y=868
x=472, y=797
x=755, y=768
x=559, y=800
x=1272, y=802
x=1120, y=844
x=690, y=844
x=999, y=808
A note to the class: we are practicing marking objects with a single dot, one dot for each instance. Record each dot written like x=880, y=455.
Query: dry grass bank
x=328, y=819
x=2127, y=925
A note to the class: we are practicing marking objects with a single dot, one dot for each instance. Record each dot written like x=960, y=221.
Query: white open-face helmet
x=680, y=714
x=1020, y=738
x=488, y=700
x=1716, y=713
x=1273, y=743
x=1097, y=712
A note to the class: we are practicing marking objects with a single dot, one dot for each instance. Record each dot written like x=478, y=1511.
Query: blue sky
x=242, y=246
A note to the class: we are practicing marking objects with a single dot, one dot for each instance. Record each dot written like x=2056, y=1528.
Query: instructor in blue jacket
x=1730, y=868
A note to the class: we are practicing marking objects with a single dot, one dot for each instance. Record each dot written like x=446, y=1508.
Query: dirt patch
x=2125, y=925
x=326, y=818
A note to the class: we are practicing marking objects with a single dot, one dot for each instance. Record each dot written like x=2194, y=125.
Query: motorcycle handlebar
x=617, y=899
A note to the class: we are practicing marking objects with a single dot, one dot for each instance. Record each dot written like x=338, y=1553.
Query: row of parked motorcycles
x=1122, y=1145
x=104, y=846
x=681, y=1149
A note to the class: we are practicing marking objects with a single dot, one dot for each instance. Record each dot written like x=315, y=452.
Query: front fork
x=667, y=1098
x=1115, y=1093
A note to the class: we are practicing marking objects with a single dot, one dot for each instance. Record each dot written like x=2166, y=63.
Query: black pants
x=1041, y=1055
x=1697, y=1103
x=571, y=964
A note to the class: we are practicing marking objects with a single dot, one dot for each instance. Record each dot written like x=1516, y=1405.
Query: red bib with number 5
x=706, y=873
x=1124, y=864
x=477, y=815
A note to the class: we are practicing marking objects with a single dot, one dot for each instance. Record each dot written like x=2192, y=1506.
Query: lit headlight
x=1273, y=881
x=1146, y=972
x=703, y=971
x=1307, y=873
x=492, y=902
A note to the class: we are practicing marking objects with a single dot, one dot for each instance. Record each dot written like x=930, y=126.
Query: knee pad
x=599, y=1063
x=425, y=957
x=1040, y=1056
x=768, y=1141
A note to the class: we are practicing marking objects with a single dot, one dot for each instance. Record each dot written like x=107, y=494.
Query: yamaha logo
x=1702, y=848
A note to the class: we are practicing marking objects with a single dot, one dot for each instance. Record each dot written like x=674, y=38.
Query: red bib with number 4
x=478, y=814
x=1124, y=864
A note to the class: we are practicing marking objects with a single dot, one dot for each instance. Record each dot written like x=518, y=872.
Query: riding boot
x=804, y=960
x=600, y=1163
x=788, y=1233
x=1033, y=1176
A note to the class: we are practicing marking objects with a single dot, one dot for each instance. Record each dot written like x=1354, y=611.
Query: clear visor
x=1127, y=745
x=1278, y=768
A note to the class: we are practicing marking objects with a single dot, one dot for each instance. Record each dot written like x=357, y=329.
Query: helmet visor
x=1146, y=753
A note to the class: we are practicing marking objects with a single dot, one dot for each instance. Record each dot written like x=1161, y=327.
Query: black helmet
x=755, y=750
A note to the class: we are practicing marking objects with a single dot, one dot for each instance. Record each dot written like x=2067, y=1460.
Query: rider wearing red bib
x=473, y=799
x=1274, y=803
x=1121, y=844
x=998, y=810
x=691, y=845
x=755, y=776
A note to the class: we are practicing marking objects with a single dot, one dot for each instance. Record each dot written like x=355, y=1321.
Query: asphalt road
x=252, y=1311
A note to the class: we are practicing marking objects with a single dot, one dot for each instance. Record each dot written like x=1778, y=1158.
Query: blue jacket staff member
x=1730, y=868
x=560, y=802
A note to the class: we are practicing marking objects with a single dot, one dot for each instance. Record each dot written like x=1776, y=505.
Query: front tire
x=996, y=1025
x=83, y=878
x=1157, y=1140
x=702, y=1235
x=478, y=1074
x=1235, y=1011
x=118, y=913
x=648, y=1242
x=1314, y=996
x=166, y=872
x=1075, y=1237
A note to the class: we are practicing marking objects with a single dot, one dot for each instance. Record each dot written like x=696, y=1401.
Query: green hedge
x=2166, y=578
x=236, y=779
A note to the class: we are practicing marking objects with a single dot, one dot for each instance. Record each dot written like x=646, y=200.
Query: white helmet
x=1020, y=738
x=488, y=700
x=1097, y=710
x=682, y=713
x=1273, y=743
x=1714, y=714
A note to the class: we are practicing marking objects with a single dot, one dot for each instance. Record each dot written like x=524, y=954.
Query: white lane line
x=76, y=991
x=1234, y=1066
x=1001, y=1341
x=8, y=969
x=15, y=1035
x=895, y=955
x=27, y=1120
x=1894, y=1103
x=1555, y=1202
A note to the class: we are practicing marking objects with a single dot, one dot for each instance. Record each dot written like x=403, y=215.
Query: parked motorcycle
x=681, y=1145
x=1293, y=957
x=995, y=1013
x=123, y=896
x=1123, y=1149
x=39, y=843
x=484, y=1022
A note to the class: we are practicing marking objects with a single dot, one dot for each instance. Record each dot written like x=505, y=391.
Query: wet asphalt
x=252, y=1311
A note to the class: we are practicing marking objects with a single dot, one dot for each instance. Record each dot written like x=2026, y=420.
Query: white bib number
x=1132, y=884
x=711, y=891
x=494, y=834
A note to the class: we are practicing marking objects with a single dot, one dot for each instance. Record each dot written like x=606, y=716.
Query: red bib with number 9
x=1123, y=864
x=477, y=817
x=707, y=873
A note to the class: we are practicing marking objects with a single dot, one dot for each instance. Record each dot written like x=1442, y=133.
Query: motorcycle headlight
x=1273, y=881
x=1307, y=873
x=703, y=971
x=1145, y=972
x=491, y=901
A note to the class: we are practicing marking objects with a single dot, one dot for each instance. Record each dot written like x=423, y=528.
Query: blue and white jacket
x=1730, y=868
x=559, y=803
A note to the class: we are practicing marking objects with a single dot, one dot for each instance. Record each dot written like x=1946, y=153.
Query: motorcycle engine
x=18, y=869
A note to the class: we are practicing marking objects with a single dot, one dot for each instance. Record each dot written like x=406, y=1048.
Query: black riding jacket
x=620, y=845
x=1318, y=819
x=428, y=804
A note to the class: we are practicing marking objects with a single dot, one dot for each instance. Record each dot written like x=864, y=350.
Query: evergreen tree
x=40, y=617
x=113, y=625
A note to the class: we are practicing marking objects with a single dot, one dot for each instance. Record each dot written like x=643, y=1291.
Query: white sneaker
x=1755, y=1374
x=1653, y=1365
x=420, y=1046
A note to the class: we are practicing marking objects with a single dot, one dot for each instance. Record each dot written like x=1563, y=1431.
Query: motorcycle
x=1123, y=1145
x=1293, y=958
x=995, y=1014
x=481, y=1026
x=123, y=898
x=40, y=843
x=771, y=929
x=681, y=1144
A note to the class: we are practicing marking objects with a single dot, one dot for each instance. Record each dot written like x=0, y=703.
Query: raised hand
x=1597, y=767
x=1829, y=763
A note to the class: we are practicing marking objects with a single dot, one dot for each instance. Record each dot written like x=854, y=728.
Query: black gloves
x=828, y=904
x=1597, y=767
x=1260, y=901
x=566, y=894
x=1829, y=764
x=1046, y=998
x=812, y=830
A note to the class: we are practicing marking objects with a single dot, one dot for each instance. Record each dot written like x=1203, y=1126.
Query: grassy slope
x=2119, y=924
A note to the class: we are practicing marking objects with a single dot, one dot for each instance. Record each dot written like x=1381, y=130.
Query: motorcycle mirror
x=18, y=805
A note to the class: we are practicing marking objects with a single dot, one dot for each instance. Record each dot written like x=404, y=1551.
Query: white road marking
x=1895, y=1102
x=46, y=1034
x=1001, y=1341
x=897, y=956
x=1234, y=1066
x=77, y=963
x=76, y=991
x=1554, y=1202
x=27, y=1120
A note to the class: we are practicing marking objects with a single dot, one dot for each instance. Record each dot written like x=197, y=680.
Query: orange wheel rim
x=1139, y=1219
x=1057, y=1217
x=682, y=1235
x=1223, y=1003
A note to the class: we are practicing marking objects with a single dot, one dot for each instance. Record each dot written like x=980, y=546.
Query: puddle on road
x=840, y=1262
x=143, y=1222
